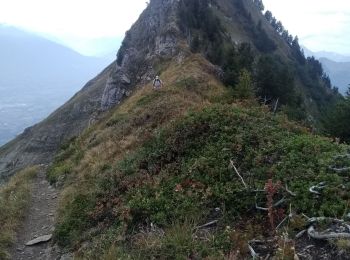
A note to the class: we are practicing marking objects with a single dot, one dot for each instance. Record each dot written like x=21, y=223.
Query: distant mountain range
x=37, y=76
x=336, y=65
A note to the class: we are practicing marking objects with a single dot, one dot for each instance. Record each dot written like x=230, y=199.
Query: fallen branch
x=280, y=224
x=300, y=234
x=290, y=192
x=319, y=186
x=260, y=208
x=278, y=203
x=252, y=252
x=234, y=167
x=211, y=223
x=331, y=235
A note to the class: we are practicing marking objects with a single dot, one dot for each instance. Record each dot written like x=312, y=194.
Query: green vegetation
x=142, y=182
x=14, y=199
x=337, y=119
x=160, y=165
x=196, y=18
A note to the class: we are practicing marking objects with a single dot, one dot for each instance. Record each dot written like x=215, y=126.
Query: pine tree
x=245, y=87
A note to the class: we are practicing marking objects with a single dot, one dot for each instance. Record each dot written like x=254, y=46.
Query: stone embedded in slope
x=39, y=240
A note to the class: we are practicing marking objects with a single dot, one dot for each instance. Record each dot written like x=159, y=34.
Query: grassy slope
x=14, y=200
x=139, y=182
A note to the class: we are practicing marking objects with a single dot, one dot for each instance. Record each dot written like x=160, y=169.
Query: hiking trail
x=38, y=225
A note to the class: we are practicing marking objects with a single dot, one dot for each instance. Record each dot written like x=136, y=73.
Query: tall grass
x=14, y=200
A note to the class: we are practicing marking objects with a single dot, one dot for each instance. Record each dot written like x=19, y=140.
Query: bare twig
x=290, y=192
x=280, y=224
x=276, y=106
x=252, y=252
x=281, y=201
x=278, y=203
x=320, y=186
x=234, y=167
x=300, y=234
x=260, y=208
x=211, y=223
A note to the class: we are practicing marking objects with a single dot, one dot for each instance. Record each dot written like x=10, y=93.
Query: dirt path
x=39, y=221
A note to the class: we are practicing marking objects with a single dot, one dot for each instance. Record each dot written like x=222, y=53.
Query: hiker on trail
x=157, y=83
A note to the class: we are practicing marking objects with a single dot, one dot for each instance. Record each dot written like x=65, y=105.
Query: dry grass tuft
x=14, y=201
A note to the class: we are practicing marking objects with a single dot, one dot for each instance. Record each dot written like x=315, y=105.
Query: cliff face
x=153, y=37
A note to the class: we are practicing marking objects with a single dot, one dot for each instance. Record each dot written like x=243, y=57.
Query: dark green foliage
x=337, y=119
x=297, y=51
x=275, y=80
x=268, y=16
x=198, y=21
x=245, y=87
x=183, y=174
x=61, y=168
x=236, y=60
x=75, y=221
x=259, y=4
x=262, y=41
x=314, y=68
x=260, y=38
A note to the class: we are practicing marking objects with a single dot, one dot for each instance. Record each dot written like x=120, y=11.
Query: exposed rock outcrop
x=154, y=35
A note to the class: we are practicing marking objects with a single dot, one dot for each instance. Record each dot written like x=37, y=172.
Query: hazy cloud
x=320, y=24
x=74, y=22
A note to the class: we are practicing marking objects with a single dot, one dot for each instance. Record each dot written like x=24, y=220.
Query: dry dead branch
x=252, y=252
x=211, y=223
x=316, y=188
x=278, y=203
x=290, y=192
x=234, y=167
x=300, y=234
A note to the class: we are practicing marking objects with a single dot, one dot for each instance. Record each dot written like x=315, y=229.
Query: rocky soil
x=34, y=237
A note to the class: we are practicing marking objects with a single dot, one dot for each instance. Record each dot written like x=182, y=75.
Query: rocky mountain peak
x=155, y=35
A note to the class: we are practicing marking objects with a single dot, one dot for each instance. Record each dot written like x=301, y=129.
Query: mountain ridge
x=156, y=37
x=207, y=165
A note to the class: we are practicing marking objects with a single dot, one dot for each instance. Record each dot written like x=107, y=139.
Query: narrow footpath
x=34, y=237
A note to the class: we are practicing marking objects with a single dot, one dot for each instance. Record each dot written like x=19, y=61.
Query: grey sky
x=89, y=25
x=320, y=24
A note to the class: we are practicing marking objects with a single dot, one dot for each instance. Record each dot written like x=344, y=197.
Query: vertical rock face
x=154, y=35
